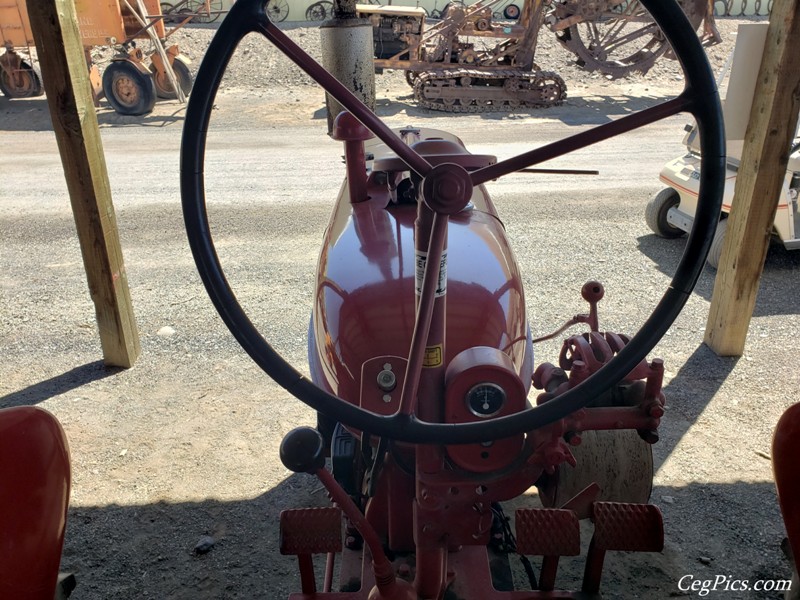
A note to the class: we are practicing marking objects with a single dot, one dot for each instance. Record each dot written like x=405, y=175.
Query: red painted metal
x=350, y=131
x=624, y=527
x=34, y=494
x=785, y=450
x=365, y=305
x=468, y=369
x=385, y=260
x=311, y=530
x=387, y=585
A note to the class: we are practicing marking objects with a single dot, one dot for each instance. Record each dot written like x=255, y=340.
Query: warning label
x=433, y=356
x=421, y=261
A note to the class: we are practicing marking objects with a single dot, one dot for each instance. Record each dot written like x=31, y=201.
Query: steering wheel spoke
x=343, y=96
x=582, y=140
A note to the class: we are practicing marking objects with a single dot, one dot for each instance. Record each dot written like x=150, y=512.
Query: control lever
x=592, y=292
x=303, y=451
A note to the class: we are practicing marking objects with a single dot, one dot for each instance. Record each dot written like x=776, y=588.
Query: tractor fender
x=34, y=495
x=140, y=66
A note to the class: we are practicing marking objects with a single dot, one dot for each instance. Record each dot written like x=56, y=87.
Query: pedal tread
x=548, y=532
x=628, y=527
x=311, y=530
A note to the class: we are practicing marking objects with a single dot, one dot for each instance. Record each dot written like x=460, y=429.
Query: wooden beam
x=69, y=96
x=773, y=121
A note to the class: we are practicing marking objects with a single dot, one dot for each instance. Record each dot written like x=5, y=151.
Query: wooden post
x=69, y=96
x=773, y=121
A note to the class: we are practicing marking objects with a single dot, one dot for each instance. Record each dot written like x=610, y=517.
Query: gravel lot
x=184, y=444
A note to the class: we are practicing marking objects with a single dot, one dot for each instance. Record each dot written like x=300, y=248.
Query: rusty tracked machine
x=421, y=359
x=471, y=61
x=449, y=71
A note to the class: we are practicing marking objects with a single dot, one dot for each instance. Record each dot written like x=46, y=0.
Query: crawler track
x=464, y=90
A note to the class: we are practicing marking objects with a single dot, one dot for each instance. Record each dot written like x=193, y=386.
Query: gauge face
x=485, y=399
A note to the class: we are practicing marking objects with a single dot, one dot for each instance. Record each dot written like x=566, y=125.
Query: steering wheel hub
x=447, y=188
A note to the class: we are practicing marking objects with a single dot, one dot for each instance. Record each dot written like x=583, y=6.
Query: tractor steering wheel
x=700, y=98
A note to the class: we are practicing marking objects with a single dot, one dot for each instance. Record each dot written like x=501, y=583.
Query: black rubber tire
x=127, y=89
x=655, y=213
x=512, y=12
x=30, y=82
x=182, y=73
x=715, y=252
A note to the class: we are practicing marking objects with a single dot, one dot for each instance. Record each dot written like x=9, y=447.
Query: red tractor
x=421, y=358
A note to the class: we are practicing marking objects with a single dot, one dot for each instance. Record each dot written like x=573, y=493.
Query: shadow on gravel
x=32, y=114
x=580, y=110
x=148, y=551
x=777, y=294
x=693, y=388
x=72, y=379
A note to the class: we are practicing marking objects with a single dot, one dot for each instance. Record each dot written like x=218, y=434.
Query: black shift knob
x=303, y=451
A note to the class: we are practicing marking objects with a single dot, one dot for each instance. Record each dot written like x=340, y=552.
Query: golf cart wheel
x=715, y=252
x=655, y=214
x=182, y=74
x=127, y=89
x=23, y=82
x=511, y=12
x=620, y=462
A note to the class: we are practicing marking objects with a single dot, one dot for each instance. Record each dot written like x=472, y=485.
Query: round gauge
x=485, y=399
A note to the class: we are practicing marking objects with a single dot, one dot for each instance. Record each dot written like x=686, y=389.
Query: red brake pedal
x=548, y=532
x=311, y=531
x=631, y=527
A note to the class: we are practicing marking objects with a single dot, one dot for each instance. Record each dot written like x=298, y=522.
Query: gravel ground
x=184, y=445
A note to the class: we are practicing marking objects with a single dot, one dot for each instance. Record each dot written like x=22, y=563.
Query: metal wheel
x=319, y=11
x=168, y=12
x=182, y=74
x=127, y=89
x=700, y=98
x=203, y=13
x=655, y=214
x=623, y=40
x=24, y=80
x=277, y=10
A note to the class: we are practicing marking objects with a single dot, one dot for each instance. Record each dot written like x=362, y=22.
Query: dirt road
x=185, y=443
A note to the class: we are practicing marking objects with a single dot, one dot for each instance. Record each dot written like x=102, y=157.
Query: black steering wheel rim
x=700, y=97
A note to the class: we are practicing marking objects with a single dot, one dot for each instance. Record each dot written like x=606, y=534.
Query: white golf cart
x=671, y=211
